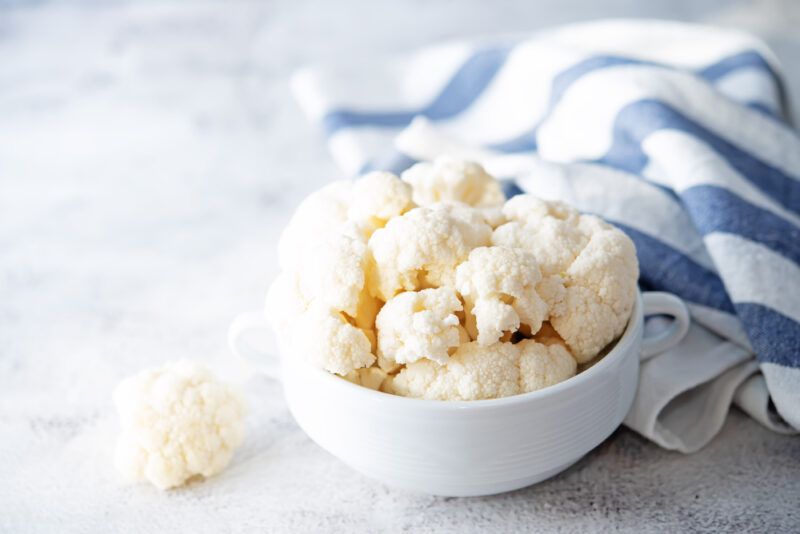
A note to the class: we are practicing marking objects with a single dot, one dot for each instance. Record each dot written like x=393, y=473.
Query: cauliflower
x=477, y=372
x=321, y=214
x=548, y=336
x=493, y=215
x=178, y=421
x=377, y=197
x=327, y=340
x=499, y=285
x=448, y=179
x=422, y=248
x=333, y=284
x=355, y=209
x=473, y=372
x=431, y=286
x=543, y=365
x=341, y=288
x=284, y=303
x=369, y=377
x=335, y=276
x=590, y=270
x=551, y=231
x=419, y=324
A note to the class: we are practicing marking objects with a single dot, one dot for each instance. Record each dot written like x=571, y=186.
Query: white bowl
x=468, y=448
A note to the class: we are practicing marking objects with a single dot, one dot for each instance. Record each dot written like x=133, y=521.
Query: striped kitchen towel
x=678, y=134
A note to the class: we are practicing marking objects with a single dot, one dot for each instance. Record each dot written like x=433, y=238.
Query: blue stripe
x=526, y=142
x=752, y=60
x=510, y=188
x=561, y=82
x=745, y=59
x=714, y=209
x=764, y=110
x=395, y=162
x=667, y=269
x=639, y=119
x=775, y=337
x=460, y=92
x=479, y=70
x=565, y=79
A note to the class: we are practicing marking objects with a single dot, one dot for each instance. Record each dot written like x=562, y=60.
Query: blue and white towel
x=676, y=133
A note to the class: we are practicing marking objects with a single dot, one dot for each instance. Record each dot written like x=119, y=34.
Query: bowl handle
x=251, y=339
x=660, y=303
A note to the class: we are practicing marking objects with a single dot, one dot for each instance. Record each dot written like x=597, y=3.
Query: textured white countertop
x=149, y=155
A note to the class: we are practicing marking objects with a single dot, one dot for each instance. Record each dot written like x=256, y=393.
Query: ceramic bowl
x=468, y=448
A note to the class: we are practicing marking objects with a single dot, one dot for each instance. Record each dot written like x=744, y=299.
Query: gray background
x=149, y=154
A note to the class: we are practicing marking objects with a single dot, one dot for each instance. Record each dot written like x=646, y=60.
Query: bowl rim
x=621, y=349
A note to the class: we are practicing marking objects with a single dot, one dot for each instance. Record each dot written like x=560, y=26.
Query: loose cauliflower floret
x=448, y=179
x=421, y=249
x=589, y=270
x=474, y=372
x=178, y=421
x=327, y=340
x=499, y=284
x=543, y=365
x=377, y=197
x=419, y=324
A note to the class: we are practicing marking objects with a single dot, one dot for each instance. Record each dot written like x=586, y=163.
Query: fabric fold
x=676, y=133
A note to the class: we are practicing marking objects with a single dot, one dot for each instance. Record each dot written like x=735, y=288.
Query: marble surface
x=149, y=154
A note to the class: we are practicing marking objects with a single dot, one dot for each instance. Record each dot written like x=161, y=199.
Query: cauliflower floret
x=353, y=246
x=419, y=324
x=448, y=179
x=548, y=230
x=471, y=222
x=589, y=270
x=333, y=280
x=326, y=339
x=178, y=421
x=493, y=215
x=547, y=335
x=600, y=293
x=319, y=215
x=369, y=377
x=476, y=372
x=422, y=247
x=499, y=284
x=388, y=365
x=284, y=303
x=353, y=208
x=335, y=275
x=473, y=372
x=377, y=197
x=543, y=365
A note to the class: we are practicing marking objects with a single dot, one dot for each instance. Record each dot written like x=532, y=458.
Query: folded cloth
x=676, y=133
